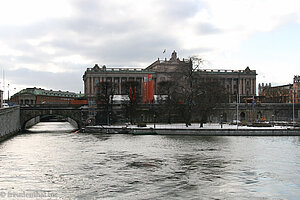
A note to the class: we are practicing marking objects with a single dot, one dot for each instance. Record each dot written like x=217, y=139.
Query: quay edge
x=199, y=132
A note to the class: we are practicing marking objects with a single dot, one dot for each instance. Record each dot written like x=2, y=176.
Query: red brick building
x=296, y=88
x=280, y=94
x=31, y=96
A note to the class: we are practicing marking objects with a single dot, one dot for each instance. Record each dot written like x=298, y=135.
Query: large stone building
x=242, y=82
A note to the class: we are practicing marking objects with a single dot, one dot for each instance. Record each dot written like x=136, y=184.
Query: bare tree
x=133, y=99
x=104, y=98
x=193, y=97
x=167, y=99
x=187, y=87
x=211, y=94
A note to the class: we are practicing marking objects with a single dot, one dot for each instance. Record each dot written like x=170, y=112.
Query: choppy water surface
x=60, y=164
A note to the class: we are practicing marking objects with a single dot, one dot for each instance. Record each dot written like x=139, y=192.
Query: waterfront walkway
x=194, y=126
x=210, y=129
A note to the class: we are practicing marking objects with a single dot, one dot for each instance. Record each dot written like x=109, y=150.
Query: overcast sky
x=50, y=43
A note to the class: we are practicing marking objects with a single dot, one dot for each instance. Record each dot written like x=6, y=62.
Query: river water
x=53, y=162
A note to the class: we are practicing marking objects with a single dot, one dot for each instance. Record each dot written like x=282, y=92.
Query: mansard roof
x=40, y=91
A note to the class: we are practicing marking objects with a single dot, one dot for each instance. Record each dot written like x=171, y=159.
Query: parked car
x=5, y=105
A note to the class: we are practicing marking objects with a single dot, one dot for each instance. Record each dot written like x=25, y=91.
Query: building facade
x=275, y=94
x=236, y=82
x=118, y=76
x=33, y=96
x=296, y=88
x=1, y=98
x=280, y=94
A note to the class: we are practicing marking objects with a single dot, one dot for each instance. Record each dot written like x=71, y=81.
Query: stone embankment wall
x=275, y=112
x=9, y=122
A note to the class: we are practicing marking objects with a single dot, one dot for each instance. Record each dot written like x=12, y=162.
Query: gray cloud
x=102, y=32
x=179, y=10
x=207, y=29
x=71, y=81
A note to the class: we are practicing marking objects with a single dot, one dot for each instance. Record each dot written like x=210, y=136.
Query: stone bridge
x=28, y=113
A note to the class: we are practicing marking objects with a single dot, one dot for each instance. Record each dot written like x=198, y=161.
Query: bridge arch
x=28, y=113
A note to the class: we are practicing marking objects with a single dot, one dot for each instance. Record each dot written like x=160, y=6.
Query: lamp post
x=293, y=96
x=221, y=120
x=237, y=111
x=7, y=92
x=237, y=101
x=293, y=107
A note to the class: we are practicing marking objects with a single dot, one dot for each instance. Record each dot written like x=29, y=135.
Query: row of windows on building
x=60, y=94
x=233, y=89
x=42, y=100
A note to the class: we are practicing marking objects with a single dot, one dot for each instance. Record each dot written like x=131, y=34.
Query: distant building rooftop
x=40, y=91
x=104, y=69
x=167, y=65
x=216, y=71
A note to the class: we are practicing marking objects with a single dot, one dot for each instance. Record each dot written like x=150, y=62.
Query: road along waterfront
x=53, y=160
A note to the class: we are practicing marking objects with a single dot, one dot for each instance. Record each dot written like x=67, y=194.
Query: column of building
x=244, y=86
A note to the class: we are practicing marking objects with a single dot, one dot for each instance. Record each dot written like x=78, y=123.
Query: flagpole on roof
x=164, y=51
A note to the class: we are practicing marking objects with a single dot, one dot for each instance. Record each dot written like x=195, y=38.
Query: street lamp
x=293, y=107
x=237, y=110
x=237, y=101
x=7, y=92
x=293, y=93
x=293, y=96
x=221, y=120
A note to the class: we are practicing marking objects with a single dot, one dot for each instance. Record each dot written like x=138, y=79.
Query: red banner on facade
x=148, y=89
